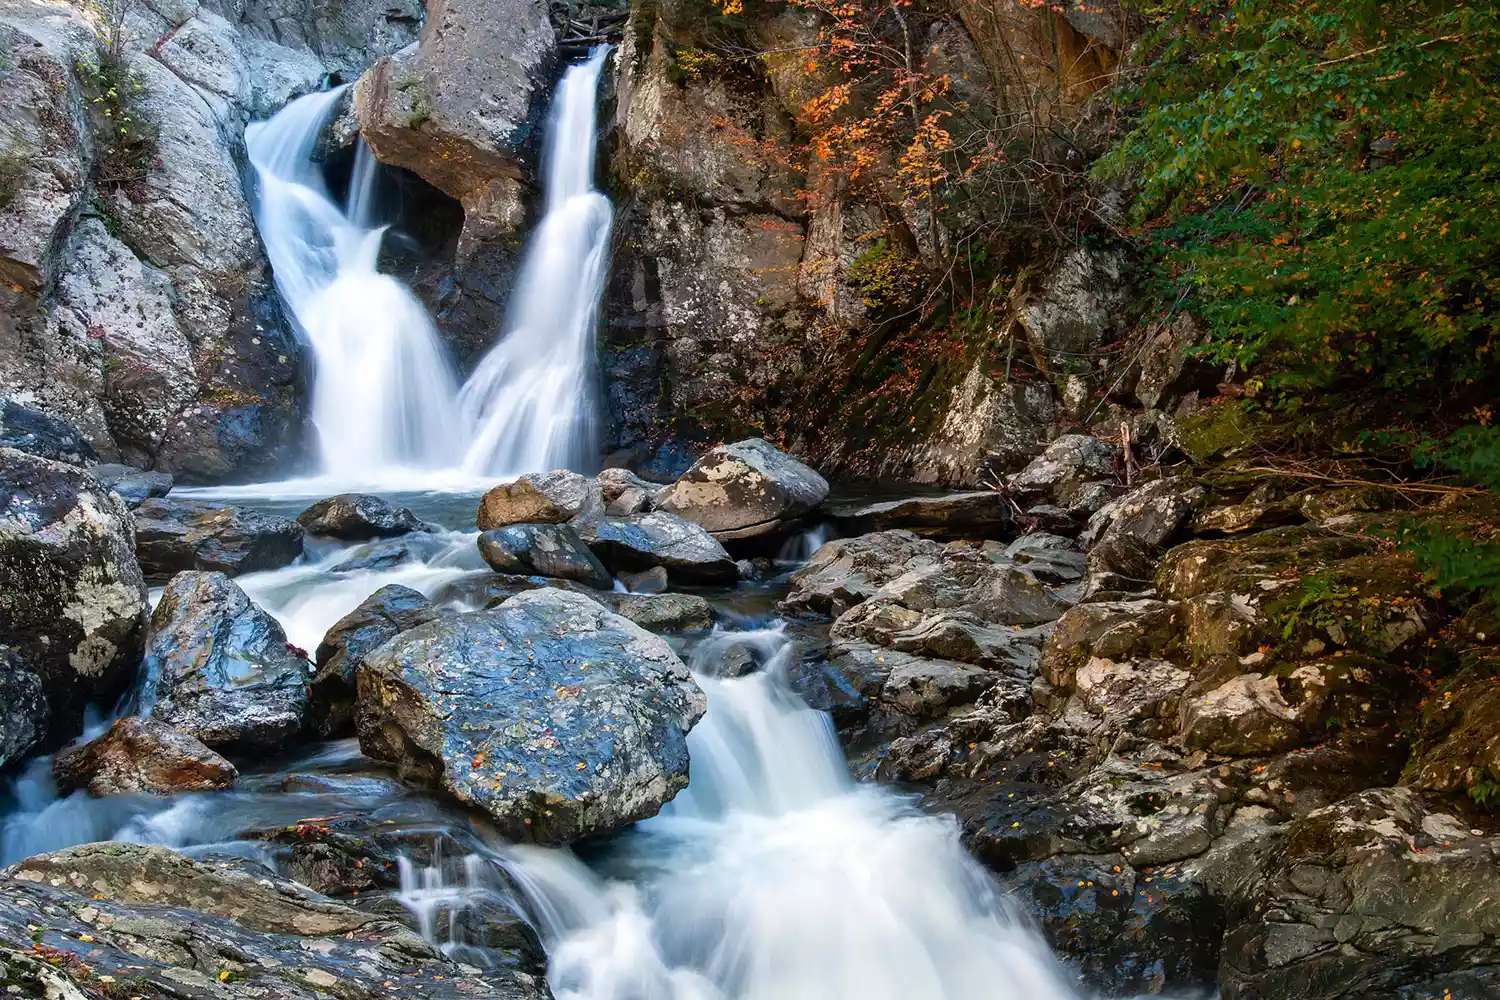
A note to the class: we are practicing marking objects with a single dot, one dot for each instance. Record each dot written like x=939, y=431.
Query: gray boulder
x=219, y=668
x=552, y=550
x=557, y=717
x=176, y=535
x=358, y=517
x=387, y=613
x=743, y=489
x=685, y=550
x=142, y=755
x=135, y=486
x=540, y=498
x=846, y=571
x=23, y=708
x=1071, y=459
x=1127, y=537
x=72, y=600
x=662, y=612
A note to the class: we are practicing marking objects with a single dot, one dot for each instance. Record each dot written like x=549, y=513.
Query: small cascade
x=776, y=877
x=531, y=400
x=383, y=394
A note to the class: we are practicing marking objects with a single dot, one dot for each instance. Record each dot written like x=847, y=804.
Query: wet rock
x=1069, y=460
x=743, y=489
x=557, y=717
x=961, y=636
x=685, y=550
x=846, y=571
x=615, y=483
x=358, y=517
x=662, y=612
x=142, y=755
x=539, y=498
x=37, y=433
x=1377, y=897
x=221, y=668
x=1124, y=932
x=72, y=600
x=551, y=550
x=389, y=552
x=171, y=927
x=965, y=580
x=135, y=486
x=176, y=535
x=647, y=581
x=387, y=613
x=979, y=514
x=23, y=708
x=925, y=688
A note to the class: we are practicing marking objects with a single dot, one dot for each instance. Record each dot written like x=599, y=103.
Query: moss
x=1227, y=428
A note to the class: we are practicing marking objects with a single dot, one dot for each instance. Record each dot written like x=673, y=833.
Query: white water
x=386, y=406
x=531, y=399
x=774, y=877
x=383, y=394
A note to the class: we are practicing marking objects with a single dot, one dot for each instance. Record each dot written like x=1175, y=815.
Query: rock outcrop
x=220, y=669
x=72, y=599
x=558, y=718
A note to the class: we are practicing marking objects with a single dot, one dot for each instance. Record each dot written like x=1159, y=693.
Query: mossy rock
x=1458, y=740
x=1261, y=564
x=1227, y=428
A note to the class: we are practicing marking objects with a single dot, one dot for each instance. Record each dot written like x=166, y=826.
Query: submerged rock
x=641, y=541
x=551, y=550
x=540, y=498
x=388, y=552
x=142, y=755
x=387, y=613
x=220, y=668
x=176, y=535
x=135, y=486
x=72, y=601
x=358, y=517
x=554, y=715
x=743, y=489
x=151, y=922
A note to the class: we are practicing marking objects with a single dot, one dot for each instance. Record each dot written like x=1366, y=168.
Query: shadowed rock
x=358, y=517
x=387, y=613
x=177, y=535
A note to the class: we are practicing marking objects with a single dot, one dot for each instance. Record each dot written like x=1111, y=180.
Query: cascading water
x=531, y=398
x=775, y=877
x=383, y=394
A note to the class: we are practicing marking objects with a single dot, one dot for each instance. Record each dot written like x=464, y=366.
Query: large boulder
x=129, y=920
x=552, y=550
x=358, y=517
x=142, y=755
x=685, y=550
x=219, y=668
x=176, y=535
x=1072, y=458
x=558, y=718
x=387, y=613
x=846, y=571
x=1377, y=897
x=72, y=600
x=540, y=498
x=743, y=489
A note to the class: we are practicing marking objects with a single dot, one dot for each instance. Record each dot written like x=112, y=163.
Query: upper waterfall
x=386, y=405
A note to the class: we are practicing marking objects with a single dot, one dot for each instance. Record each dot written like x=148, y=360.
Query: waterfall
x=776, y=877
x=383, y=394
x=531, y=399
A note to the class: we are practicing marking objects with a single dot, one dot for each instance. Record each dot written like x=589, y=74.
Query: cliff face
x=754, y=289
x=138, y=303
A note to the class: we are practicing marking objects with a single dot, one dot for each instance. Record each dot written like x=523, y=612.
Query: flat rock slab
x=975, y=514
x=557, y=717
x=176, y=535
